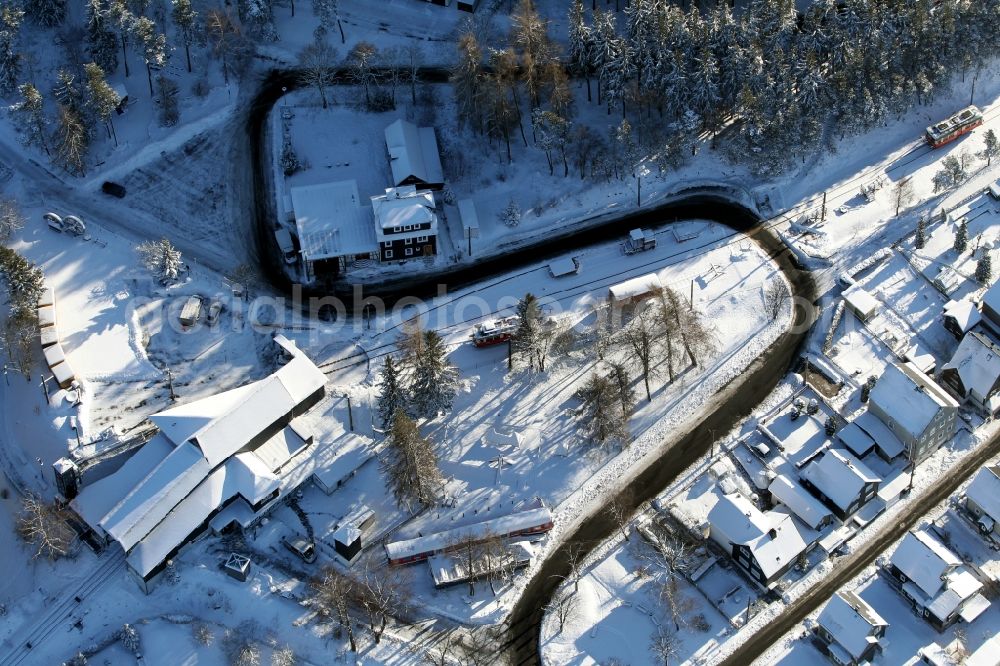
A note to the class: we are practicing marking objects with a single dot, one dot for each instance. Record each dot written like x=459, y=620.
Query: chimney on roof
x=773, y=533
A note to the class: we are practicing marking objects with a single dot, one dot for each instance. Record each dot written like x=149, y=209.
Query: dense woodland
x=767, y=84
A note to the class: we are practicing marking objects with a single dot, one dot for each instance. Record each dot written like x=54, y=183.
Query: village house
x=861, y=303
x=217, y=463
x=842, y=482
x=917, y=410
x=973, y=373
x=413, y=155
x=959, y=317
x=333, y=229
x=806, y=508
x=849, y=630
x=406, y=223
x=982, y=500
x=990, y=308
x=941, y=589
x=764, y=544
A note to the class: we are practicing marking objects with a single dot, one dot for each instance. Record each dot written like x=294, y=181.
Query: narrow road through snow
x=721, y=413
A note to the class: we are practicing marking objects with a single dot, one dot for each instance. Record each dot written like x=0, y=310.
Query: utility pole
x=711, y=432
x=691, y=297
x=45, y=387
x=510, y=360
x=170, y=385
x=823, y=216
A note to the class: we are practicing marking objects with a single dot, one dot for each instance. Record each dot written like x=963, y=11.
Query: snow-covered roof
x=885, y=439
x=851, y=621
x=861, y=302
x=991, y=299
x=198, y=462
x=985, y=491
x=330, y=220
x=564, y=266
x=856, y=439
x=806, y=507
x=501, y=526
x=402, y=207
x=336, y=461
x=964, y=312
x=774, y=537
x=159, y=492
x=413, y=153
x=226, y=423
x=925, y=561
x=634, y=288
x=840, y=476
x=911, y=397
x=97, y=499
x=977, y=362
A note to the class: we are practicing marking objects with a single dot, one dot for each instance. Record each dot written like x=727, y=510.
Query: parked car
x=304, y=549
x=114, y=189
x=214, y=310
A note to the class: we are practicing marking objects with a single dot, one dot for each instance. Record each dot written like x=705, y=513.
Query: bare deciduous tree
x=318, y=65
x=332, y=591
x=382, y=593
x=563, y=606
x=664, y=646
x=43, y=526
x=620, y=511
x=640, y=335
x=775, y=296
x=902, y=193
x=602, y=418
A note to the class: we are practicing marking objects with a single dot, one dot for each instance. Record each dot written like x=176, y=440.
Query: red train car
x=948, y=130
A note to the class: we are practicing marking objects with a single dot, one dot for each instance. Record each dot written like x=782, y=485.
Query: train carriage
x=948, y=130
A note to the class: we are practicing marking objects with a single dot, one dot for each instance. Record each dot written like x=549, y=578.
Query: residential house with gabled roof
x=406, y=223
x=841, y=482
x=800, y=502
x=764, y=544
x=973, y=373
x=982, y=500
x=959, y=317
x=916, y=409
x=849, y=630
x=941, y=589
x=413, y=155
x=990, y=308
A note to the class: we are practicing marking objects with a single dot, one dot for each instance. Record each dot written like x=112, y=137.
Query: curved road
x=731, y=404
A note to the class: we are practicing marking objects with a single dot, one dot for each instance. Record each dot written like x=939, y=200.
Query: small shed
x=861, y=303
x=48, y=297
x=63, y=374
x=994, y=190
x=347, y=538
x=46, y=316
x=238, y=567
x=54, y=355
x=191, y=311
x=470, y=219
x=634, y=290
x=48, y=336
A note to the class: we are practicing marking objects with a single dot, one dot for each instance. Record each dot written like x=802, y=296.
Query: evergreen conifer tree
x=435, y=380
x=391, y=398
x=920, y=239
x=984, y=269
x=411, y=464
x=961, y=238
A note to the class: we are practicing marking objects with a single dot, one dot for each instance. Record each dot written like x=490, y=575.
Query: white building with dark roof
x=850, y=629
x=917, y=410
x=764, y=544
x=406, y=223
x=973, y=373
x=333, y=228
x=842, y=482
x=218, y=462
x=982, y=500
x=413, y=155
x=935, y=581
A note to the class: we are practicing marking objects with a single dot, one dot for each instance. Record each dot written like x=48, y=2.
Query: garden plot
x=617, y=608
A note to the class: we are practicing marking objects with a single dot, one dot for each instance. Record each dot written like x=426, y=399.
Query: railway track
x=55, y=615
